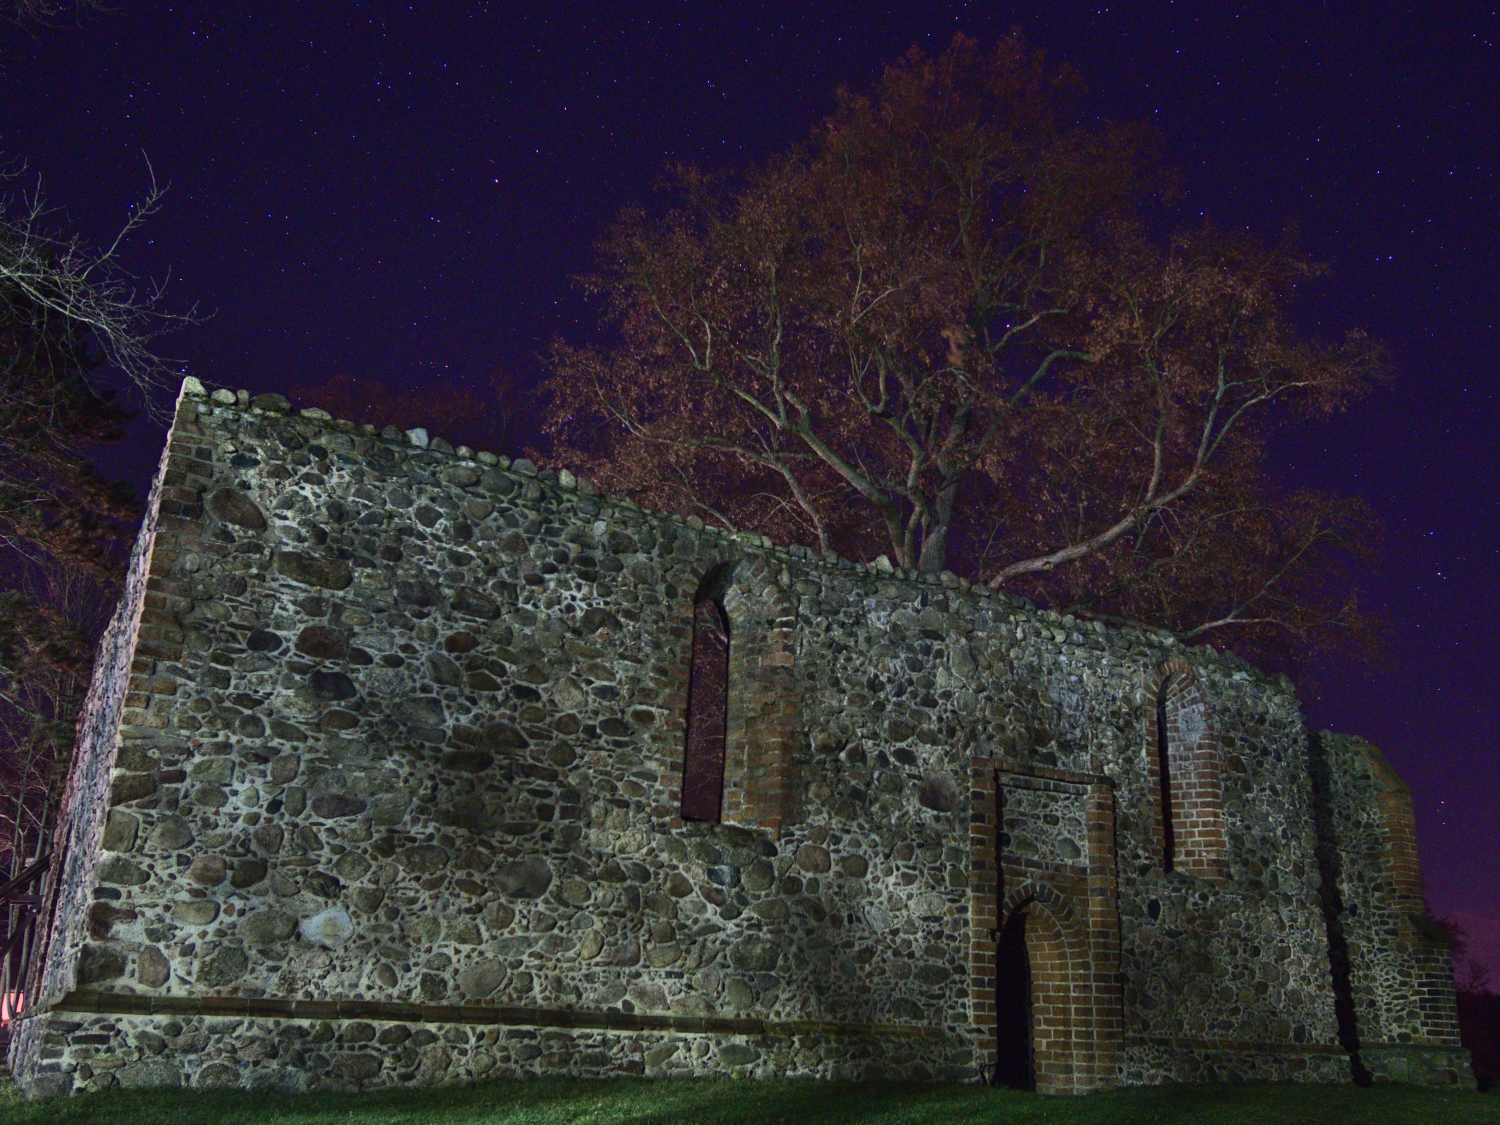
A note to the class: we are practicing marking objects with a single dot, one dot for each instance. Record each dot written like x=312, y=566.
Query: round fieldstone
x=461, y=642
x=337, y=720
x=330, y=687
x=939, y=792
x=592, y=620
x=150, y=1074
x=131, y=787
x=417, y=592
x=268, y=838
x=262, y=640
x=207, y=870
x=328, y=928
x=755, y=955
x=735, y=1054
x=813, y=858
x=423, y=859
x=322, y=884
x=229, y=505
x=355, y=1068
x=266, y=927
x=247, y=872
x=118, y=871
x=222, y=966
x=195, y=911
x=170, y=835
x=99, y=963
x=331, y=806
x=322, y=643
x=120, y=831
x=351, y=866
x=423, y=711
x=443, y=670
x=472, y=603
x=932, y=974
x=482, y=979
x=759, y=876
x=284, y=768
x=525, y=878
x=503, y=736
x=329, y=574
x=217, y=1076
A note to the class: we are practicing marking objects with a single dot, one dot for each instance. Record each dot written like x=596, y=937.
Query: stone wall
x=402, y=803
x=69, y=890
x=1392, y=964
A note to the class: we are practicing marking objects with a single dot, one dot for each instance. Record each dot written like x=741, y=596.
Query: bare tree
x=71, y=317
x=945, y=328
x=32, y=12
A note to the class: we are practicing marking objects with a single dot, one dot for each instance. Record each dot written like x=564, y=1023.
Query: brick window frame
x=765, y=702
x=1195, y=778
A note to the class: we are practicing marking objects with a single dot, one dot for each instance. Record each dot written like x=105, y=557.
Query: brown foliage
x=942, y=329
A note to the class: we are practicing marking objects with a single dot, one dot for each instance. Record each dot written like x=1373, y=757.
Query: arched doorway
x=1015, y=1055
x=1041, y=995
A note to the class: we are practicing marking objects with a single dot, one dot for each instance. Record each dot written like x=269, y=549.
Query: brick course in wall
x=393, y=740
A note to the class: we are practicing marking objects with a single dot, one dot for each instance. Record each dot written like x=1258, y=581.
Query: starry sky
x=399, y=194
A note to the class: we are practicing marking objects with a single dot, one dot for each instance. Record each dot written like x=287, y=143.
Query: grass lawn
x=719, y=1102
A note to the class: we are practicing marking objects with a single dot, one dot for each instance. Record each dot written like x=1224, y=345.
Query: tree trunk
x=934, y=557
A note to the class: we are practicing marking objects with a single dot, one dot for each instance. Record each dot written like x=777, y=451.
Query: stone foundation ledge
x=1418, y=1063
x=64, y=1052
x=1154, y=1060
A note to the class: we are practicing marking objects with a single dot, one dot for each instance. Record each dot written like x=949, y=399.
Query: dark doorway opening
x=1015, y=1059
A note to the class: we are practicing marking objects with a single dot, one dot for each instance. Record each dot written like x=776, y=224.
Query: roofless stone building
x=407, y=764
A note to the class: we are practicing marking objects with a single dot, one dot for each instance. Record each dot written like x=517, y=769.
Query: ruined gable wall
x=1394, y=963
x=421, y=748
x=76, y=853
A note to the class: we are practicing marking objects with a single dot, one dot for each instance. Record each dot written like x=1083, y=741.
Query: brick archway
x=1062, y=1008
x=765, y=704
x=1073, y=922
x=1187, y=823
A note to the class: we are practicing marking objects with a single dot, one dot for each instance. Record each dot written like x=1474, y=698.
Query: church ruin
x=406, y=764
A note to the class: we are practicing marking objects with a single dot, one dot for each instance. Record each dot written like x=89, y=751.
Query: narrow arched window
x=1164, y=776
x=708, y=714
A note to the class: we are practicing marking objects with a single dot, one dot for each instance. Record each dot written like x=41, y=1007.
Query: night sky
x=401, y=193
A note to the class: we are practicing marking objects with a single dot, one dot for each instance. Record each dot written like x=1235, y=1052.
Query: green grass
x=786, y=1102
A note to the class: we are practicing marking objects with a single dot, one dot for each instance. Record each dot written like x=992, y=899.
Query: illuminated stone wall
x=397, y=794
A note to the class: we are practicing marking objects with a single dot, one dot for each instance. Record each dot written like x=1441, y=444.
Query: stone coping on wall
x=126, y=1004
x=565, y=481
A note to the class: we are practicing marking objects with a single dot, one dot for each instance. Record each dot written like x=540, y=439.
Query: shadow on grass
x=772, y=1102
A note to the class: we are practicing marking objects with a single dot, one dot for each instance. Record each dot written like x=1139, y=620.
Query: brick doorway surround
x=1042, y=842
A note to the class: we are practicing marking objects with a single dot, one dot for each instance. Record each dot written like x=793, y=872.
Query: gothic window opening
x=1164, y=777
x=1188, y=777
x=708, y=714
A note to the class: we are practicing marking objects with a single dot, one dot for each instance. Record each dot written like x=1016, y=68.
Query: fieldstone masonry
x=379, y=783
